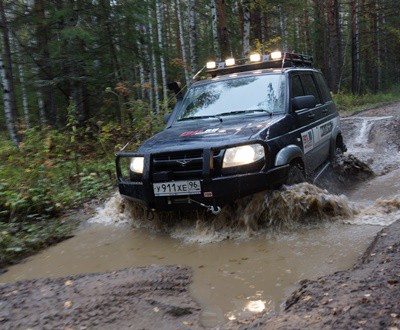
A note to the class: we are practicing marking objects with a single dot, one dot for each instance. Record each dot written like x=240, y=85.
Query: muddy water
x=230, y=277
x=251, y=257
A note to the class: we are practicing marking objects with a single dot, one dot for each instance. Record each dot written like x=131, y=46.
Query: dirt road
x=153, y=297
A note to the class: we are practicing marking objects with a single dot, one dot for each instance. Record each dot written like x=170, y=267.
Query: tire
x=337, y=150
x=295, y=175
x=337, y=153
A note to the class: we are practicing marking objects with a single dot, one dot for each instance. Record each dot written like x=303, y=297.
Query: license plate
x=176, y=188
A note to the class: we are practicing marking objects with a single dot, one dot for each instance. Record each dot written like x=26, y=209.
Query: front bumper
x=223, y=190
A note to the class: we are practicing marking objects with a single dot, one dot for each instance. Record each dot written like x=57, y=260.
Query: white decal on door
x=308, y=140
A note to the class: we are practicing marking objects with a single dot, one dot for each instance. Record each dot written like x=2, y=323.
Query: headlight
x=243, y=155
x=137, y=164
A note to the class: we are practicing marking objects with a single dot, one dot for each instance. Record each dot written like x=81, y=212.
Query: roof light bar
x=230, y=62
x=276, y=55
x=276, y=59
x=255, y=57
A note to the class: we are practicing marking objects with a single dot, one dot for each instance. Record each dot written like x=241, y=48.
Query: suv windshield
x=237, y=96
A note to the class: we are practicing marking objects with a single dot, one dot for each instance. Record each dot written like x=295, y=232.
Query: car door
x=321, y=125
x=304, y=120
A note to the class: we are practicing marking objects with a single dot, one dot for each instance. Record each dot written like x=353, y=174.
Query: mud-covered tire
x=295, y=175
x=337, y=154
x=337, y=150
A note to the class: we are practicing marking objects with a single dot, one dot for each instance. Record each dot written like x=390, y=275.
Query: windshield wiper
x=199, y=117
x=244, y=111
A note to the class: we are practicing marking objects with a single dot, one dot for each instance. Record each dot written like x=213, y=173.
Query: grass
x=349, y=103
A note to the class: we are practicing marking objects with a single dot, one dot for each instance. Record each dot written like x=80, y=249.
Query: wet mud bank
x=152, y=297
x=366, y=296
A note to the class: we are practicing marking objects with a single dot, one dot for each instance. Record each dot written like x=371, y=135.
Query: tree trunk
x=375, y=44
x=42, y=115
x=339, y=53
x=161, y=50
x=307, y=28
x=182, y=40
x=192, y=35
x=8, y=63
x=214, y=17
x=22, y=82
x=44, y=63
x=8, y=113
x=354, y=46
x=282, y=23
x=153, y=59
x=223, y=29
x=246, y=28
x=332, y=47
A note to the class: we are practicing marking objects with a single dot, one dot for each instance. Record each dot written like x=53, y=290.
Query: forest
x=109, y=57
x=79, y=77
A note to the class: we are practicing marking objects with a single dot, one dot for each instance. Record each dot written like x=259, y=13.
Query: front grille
x=178, y=165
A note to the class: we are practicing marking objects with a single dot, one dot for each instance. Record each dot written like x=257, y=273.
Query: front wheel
x=295, y=175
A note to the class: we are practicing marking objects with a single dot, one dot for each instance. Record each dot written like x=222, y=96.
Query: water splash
x=112, y=213
x=382, y=213
x=374, y=140
x=290, y=208
x=276, y=210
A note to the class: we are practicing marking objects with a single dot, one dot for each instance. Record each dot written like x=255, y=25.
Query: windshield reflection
x=264, y=92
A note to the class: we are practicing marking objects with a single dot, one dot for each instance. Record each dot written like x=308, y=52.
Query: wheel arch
x=289, y=154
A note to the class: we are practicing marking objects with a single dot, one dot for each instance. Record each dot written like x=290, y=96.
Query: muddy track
x=140, y=298
x=364, y=297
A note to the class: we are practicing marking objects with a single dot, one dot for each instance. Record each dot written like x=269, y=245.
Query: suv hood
x=199, y=134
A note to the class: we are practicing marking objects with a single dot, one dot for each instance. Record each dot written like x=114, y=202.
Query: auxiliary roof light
x=255, y=57
x=211, y=65
x=276, y=55
x=230, y=61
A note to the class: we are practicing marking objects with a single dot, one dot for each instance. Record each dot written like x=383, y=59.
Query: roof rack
x=275, y=60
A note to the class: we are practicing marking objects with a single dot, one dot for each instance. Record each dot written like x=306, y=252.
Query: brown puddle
x=229, y=276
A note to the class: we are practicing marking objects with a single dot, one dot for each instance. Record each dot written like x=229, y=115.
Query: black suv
x=250, y=126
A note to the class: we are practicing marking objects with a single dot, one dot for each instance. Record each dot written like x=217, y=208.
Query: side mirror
x=304, y=102
x=167, y=116
x=176, y=88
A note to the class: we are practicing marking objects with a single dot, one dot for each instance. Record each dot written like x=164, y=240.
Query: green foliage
x=350, y=102
x=21, y=238
x=51, y=172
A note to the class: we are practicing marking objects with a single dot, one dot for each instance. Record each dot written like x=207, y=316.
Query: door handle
x=324, y=110
x=311, y=115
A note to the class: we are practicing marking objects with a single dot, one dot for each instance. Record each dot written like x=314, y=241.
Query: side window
x=323, y=87
x=297, y=88
x=309, y=86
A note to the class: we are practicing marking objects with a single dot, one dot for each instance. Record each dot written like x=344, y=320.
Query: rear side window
x=309, y=86
x=326, y=95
